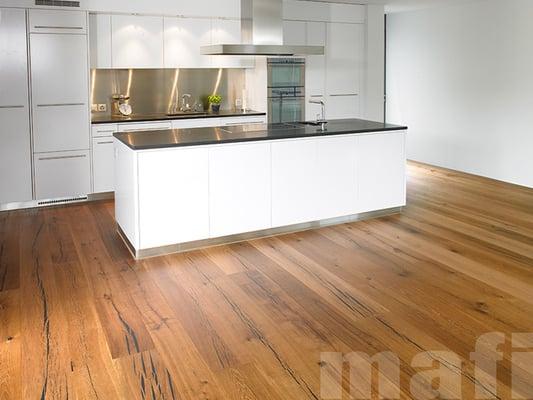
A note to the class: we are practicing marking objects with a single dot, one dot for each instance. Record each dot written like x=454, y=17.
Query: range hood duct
x=262, y=30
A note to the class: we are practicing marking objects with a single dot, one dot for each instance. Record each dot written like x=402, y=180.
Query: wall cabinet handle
x=58, y=27
x=109, y=142
x=344, y=94
x=61, y=157
x=60, y=104
x=2, y=107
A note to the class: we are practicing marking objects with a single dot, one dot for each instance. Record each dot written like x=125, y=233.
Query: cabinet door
x=61, y=127
x=99, y=130
x=381, y=171
x=342, y=106
x=137, y=41
x=62, y=174
x=173, y=196
x=336, y=176
x=57, y=21
x=228, y=31
x=100, y=40
x=59, y=69
x=15, y=155
x=344, y=50
x=294, y=186
x=251, y=120
x=196, y=123
x=103, y=165
x=183, y=38
x=239, y=188
x=294, y=33
x=315, y=69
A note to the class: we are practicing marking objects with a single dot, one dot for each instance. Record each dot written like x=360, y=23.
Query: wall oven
x=286, y=89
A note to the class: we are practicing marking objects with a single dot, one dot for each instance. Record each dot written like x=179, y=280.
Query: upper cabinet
x=134, y=41
x=183, y=38
x=294, y=33
x=137, y=41
x=228, y=31
x=56, y=21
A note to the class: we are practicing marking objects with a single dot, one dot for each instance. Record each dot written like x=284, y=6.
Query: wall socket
x=98, y=107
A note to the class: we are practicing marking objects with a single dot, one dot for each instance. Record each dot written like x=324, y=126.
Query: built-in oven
x=286, y=89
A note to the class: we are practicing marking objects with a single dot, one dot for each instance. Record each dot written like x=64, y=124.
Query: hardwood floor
x=79, y=319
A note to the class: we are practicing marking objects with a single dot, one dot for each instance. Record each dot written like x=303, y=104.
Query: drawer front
x=244, y=120
x=104, y=130
x=103, y=165
x=145, y=126
x=61, y=128
x=62, y=174
x=195, y=123
x=58, y=21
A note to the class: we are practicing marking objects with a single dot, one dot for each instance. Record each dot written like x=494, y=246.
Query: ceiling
x=401, y=5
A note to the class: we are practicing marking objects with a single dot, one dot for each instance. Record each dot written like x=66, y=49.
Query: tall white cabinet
x=60, y=103
x=15, y=150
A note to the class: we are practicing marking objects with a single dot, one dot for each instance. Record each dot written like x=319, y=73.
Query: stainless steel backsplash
x=154, y=91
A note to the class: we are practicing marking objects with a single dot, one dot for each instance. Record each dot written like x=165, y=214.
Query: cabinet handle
x=318, y=95
x=61, y=157
x=60, y=104
x=344, y=94
x=57, y=27
x=109, y=142
x=147, y=129
x=2, y=107
x=244, y=123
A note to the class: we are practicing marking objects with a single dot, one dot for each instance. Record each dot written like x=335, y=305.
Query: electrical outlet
x=102, y=107
x=94, y=107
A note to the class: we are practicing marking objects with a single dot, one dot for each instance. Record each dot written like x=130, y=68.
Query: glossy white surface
x=100, y=41
x=58, y=21
x=228, y=31
x=137, y=41
x=103, y=165
x=173, y=196
x=62, y=174
x=60, y=128
x=183, y=38
x=381, y=171
x=239, y=188
x=144, y=126
x=15, y=151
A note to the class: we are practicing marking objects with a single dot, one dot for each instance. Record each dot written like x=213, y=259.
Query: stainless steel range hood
x=262, y=31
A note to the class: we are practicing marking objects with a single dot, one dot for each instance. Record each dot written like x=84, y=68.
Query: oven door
x=286, y=109
x=284, y=74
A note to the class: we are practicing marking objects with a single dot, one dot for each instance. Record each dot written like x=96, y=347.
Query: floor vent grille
x=62, y=201
x=57, y=3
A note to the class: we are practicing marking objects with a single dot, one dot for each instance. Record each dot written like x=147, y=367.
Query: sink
x=183, y=113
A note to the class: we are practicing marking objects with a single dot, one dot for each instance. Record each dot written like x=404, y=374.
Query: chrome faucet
x=320, y=118
x=185, y=105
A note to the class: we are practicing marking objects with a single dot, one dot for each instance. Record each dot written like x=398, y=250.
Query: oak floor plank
x=10, y=342
x=9, y=251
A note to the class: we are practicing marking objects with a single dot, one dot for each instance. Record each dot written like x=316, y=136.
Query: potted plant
x=215, y=101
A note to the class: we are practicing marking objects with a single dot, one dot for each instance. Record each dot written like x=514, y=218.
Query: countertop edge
x=255, y=139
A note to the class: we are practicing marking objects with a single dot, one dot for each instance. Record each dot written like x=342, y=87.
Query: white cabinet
x=145, y=126
x=104, y=130
x=173, y=196
x=62, y=174
x=60, y=92
x=183, y=38
x=342, y=106
x=228, y=31
x=294, y=33
x=247, y=120
x=239, y=188
x=58, y=21
x=294, y=186
x=344, y=58
x=315, y=69
x=336, y=176
x=196, y=123
x=100, y=42
x=103, y=165
x=381, y=171
x=137, y=41
x=15, y=150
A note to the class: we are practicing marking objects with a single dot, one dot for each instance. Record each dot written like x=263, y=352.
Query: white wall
x=461, y=78
x=375, y=63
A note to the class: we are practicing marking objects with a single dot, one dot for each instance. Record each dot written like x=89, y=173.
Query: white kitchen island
x=188, y=188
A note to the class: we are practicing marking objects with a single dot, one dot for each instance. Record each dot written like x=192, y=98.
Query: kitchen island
x=181, y=189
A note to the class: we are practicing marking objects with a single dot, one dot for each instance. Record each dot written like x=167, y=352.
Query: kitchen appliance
x=121, y=105
x=262, y=33
x=286, y=90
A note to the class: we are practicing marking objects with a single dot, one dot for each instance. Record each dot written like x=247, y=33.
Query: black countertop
x=112, y=119
x=245, y=133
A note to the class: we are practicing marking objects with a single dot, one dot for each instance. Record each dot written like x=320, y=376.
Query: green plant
x=214, y=99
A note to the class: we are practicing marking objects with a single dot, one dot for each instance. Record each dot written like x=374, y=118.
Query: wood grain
x=80, y=319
